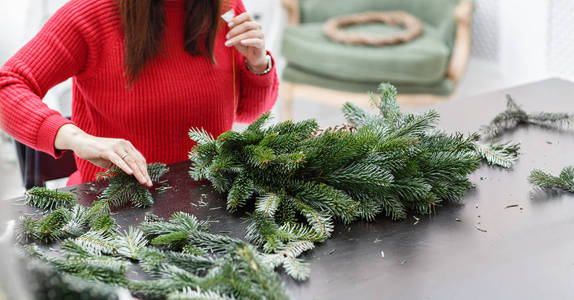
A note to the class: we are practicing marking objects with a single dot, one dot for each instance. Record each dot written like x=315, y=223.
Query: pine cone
x=343, y=127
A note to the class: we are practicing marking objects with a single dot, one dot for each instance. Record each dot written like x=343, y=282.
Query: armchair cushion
x=423, y=60
x=294, y=74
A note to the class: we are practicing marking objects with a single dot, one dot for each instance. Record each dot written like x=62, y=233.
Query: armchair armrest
x=293, y=12
x=461, y=49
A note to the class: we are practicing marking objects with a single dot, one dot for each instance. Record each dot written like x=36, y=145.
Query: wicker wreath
x=334, y=28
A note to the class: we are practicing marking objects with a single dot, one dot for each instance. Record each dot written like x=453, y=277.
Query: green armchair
x=431, y=64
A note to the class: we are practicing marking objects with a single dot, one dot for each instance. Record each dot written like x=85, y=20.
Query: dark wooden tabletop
x=527, y=251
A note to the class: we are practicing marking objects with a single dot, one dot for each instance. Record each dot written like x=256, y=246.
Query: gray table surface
x=527, y=252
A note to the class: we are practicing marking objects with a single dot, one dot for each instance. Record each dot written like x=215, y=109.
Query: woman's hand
x=247, y=36
x=103, y=152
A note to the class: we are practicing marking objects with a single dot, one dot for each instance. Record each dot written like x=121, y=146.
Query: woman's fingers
x=257, y=43
x=242, y=28
x=120, y=163
x=130, y=161
x=253, y=34
x=141, y=163
x=239, y=19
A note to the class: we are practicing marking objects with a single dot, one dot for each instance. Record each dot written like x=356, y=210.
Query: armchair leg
x=287, y=90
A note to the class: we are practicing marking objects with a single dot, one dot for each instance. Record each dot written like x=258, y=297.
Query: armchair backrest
x=433, y=12
x=438, y=13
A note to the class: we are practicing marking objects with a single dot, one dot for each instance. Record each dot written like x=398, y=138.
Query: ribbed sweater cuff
x=47, y=134
x=262, y=80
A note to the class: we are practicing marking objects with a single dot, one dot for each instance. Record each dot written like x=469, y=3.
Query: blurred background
x=511, y=42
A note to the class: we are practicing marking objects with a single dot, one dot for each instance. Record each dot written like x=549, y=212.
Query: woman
x=144, y=72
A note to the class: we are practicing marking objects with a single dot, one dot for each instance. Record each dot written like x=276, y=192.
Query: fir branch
x=240, y=191
x=515, y=116
x=49, y=227
x=27, y=230
x=287, y=258
x=190, y=294
x=219, y=265
x=563, y=182
x=300, y=179
x=77, y=224
x=124, y=188
x=321, y=222
x=388, y=106
x=97, y=243
x=200, y=136
x=499, y=154
x=130, y=243
x=357, y=116
x=268, y=204
x=44, y=198
x=103, y=269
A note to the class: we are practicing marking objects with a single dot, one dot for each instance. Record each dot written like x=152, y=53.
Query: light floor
x=480, y=77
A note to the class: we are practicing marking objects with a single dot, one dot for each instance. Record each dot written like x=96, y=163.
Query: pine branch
x=287, y=258
x=130, y=243
x=240, y=191
x=190, y=294
x=357, y=116
x=300, y=179
x=499, y=154
x=57, y=285
x=44, y=198
x=321, y=222
x=200, y=136
x=564, y=182
x=77, y=225
x=49, y=227
x=124, y=188
x=388, y=106
x=268, y=204
x=103, y=269
x=97, y=243
x=219, y=265
x=515, y=116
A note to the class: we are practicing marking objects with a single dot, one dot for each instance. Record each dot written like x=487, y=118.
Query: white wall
x=13, y=23
x=560, y=52
x=272, y=17
x=525, y=40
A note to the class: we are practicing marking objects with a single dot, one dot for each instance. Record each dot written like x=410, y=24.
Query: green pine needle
x=124, y=189
x=44, y=198
x=130, y=243
x=190, y=294
x=200, y=136
x=563, y=182
x=499, y=154
x=295, y=181
x=515, y=116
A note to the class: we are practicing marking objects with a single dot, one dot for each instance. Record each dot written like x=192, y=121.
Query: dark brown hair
x=143, y=22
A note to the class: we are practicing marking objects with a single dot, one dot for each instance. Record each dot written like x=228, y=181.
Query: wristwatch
x=269, y=66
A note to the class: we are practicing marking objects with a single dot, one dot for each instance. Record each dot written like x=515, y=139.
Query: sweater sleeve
x=258, y=93
x=57, y=52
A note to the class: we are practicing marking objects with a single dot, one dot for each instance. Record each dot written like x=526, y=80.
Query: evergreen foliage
x=515, y=116
x=63, y=222
x=124, y=188
x=301, y=179
x=43, y=198
x=46, y=283
x=499, y=154
x=205, y=265
x=564, y=181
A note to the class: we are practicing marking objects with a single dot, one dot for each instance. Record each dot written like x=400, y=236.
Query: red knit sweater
x=176, y=91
